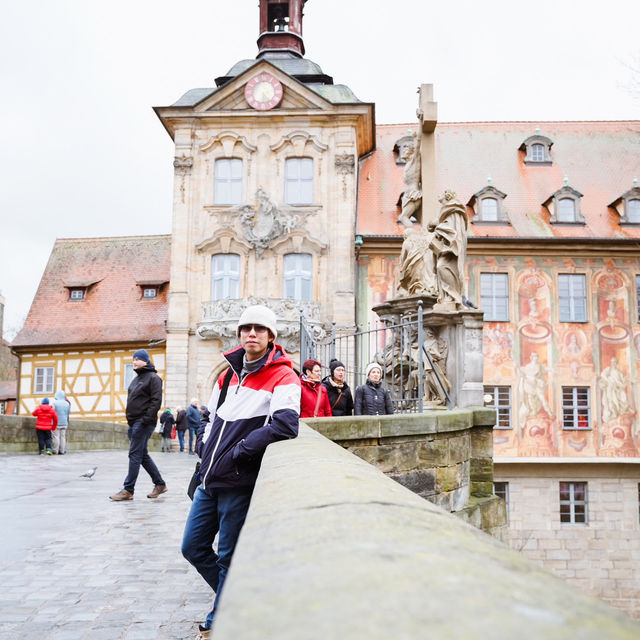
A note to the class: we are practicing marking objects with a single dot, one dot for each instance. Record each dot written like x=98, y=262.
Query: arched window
x=537, y=152
x=298, y=280
x=227, y=182
x=298, y=181
x=489, y=209
x=633, y=211
x=225, y=276
x=566, y=210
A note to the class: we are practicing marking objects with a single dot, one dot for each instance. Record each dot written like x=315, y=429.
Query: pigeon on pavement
x=89, y=474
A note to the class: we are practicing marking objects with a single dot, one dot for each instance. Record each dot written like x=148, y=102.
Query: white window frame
x=297, y=276
x=572, y=297
x=633, y=210
x=127, y=375
x=576, y=509
x=566, y=210
x=486, y=214
x=493, y=298
x=225, y=276
x=149, y=293
x=227, y=181
x=576, y=408
x=501, y=489
x=501, y=403
x=43, y=380
x=76, y=294
x=298, y=180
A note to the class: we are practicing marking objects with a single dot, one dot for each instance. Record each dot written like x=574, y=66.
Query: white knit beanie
x=373, y=365
x=259, y=314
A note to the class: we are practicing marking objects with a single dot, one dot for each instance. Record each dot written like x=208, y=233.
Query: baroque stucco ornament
x=219, y=320
x=264, y=222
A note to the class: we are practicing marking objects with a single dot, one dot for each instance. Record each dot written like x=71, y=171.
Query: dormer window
x=488, y=205
x=78, y=289
x=149, y=293
x=150, y=290
x=629, y=212
x=564, y=205
x=537, y=150
x=76, y=295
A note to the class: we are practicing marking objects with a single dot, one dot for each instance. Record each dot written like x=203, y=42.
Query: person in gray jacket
x=62, y=407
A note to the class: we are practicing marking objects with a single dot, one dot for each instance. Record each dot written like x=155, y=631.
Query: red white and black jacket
x=263, y=409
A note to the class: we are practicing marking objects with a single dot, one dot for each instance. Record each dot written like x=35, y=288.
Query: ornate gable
x=231, y=97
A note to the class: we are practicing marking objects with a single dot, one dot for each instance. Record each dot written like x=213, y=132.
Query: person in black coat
x=181, y=426
x=373, y=398
x=167, y=421
x=340, y=397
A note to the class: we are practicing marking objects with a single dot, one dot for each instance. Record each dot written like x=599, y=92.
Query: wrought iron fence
x=398, y=348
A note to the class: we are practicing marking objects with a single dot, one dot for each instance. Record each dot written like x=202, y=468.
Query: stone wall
x=601, y=556
x=331, y=548
x=18, y=434
x=443, y=456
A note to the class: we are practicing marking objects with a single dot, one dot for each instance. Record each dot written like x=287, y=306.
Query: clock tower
x=264, y=205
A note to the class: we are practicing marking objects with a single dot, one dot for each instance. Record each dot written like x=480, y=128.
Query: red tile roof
x=113, y=309
x=600, y=159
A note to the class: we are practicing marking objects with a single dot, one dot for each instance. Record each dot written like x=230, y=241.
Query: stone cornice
x=379, y=245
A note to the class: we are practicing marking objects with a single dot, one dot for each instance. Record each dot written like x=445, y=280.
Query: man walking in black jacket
x=143, y=403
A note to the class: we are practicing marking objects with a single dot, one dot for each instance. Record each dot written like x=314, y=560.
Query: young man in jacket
x=143, y=403
x=254, y=403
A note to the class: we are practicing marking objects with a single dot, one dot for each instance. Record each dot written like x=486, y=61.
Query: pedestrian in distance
x=373, y=398
x=315, y=401
x=181, y=426
x=62, y=407
x=204, y=419
x=143, y=403
x=262, y=406
x=340, y=398
x=167, y=421
x=193, y=422
x=46, y=422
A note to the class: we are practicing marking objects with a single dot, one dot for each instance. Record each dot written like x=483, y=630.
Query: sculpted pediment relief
x=298, y=140
x=228, y=140
x=231, y=96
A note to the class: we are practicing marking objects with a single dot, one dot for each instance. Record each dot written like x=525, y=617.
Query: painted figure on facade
x=615, y=402
x=412, y=194
x=533, y=389
x=449, y=245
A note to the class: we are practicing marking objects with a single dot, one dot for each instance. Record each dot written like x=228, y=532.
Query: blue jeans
x=181, y=439
x=139, y=435
x=192, y=438
x=214, y=511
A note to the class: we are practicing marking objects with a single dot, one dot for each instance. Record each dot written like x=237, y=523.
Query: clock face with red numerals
x=263, y=92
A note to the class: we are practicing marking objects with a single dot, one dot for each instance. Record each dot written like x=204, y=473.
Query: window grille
x=501, y=402
x=225, y=276
x=297, y=276
x=494, y=296
x=227, y=181
x=576, y=409
x=43, y=381
x=573, y=503
x=572, y=297
x=298, y=188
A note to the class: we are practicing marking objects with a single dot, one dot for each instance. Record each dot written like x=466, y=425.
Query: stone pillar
x=176, y=383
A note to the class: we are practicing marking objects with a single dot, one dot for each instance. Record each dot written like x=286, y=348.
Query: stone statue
x=449, y=245
x=412, y=194
x=417, y=265
x=614, y=392
x=438, y=350
x=533, y=388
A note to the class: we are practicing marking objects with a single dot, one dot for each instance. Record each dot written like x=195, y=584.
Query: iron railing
x=397, y=348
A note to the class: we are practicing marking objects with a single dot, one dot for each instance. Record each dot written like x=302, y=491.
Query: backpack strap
x=225, y=386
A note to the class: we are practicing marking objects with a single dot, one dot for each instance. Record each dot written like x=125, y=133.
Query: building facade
x=265, y=197
x=553, y=261
x=99, y=300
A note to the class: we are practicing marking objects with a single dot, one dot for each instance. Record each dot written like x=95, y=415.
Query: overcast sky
x=84, y=155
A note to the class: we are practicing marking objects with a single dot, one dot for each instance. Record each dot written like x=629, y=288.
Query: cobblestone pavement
x=75, y=565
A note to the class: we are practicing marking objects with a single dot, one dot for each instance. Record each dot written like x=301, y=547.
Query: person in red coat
x=46, y=422
x=314, y=402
